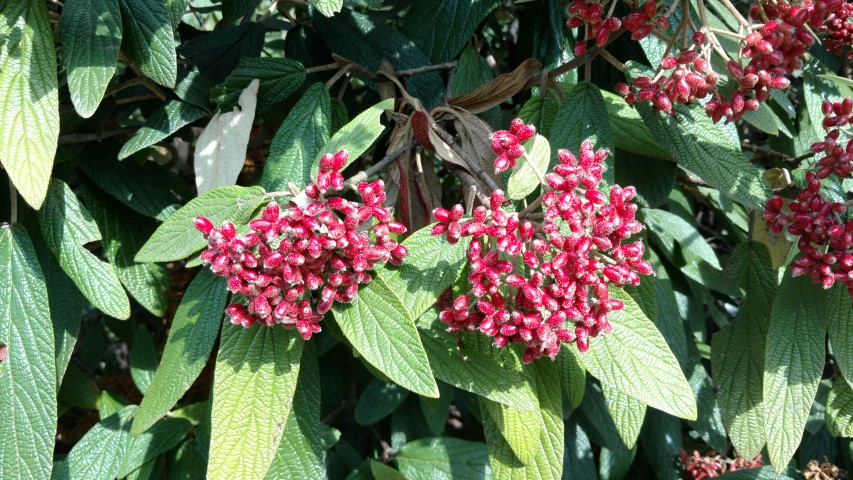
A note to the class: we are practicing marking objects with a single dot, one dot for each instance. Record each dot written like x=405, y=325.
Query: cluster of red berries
x=825, y=238
x=507, y=144
x=544, y=283
x=691, y=78
x=712, y=464
x=641, y=23
x=598, y=25
x=316, y=244
x=838, y=30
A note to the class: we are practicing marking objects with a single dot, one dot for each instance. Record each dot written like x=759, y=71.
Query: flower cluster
x=641, y=23
x=591, y=16
x=712, y=464
x=825, y=238
x=837, y=30
x=315, y=244
x=507, y=144
x=544, y=283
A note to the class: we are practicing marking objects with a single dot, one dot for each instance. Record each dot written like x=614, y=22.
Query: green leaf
x=29, y=119
x=839, y=409
x=548, y=461
x=442, y=28
x=706, y=149
x=572, y=374
x=709, y=424
x=101, y=450
x=148, y=39
x=540, y=111
x=627, y=412
x=817, y=88
x=110, y=403
x=840, y=327
x=531, y=168
x=299, y=139
x=234, y=10
x=596, y=419
x=793, y=364
x=356, y=136
x=77, y=390
x=583, y=116
x=191, y=337
x=27, y=376
x=381, y=471
x=279, y=78
x=177, y=238
x=165, y=121
x=629, y=131
x=635, y=359
x=124, y=232
x=327, y=7
x=661, y=441
x=302, y=450
x=90, y=32
x=443, y=458
x=66, y=226
x=761, y=473
x=378, y=400
x=253, y=385
x=380, y=328
x=162, y=437
x=520, y=429
x=615, y=463
x=483, y=370
x=431, y=266
x=737, y=353
x=436, y=411
x=578, y=460
x=143, y=359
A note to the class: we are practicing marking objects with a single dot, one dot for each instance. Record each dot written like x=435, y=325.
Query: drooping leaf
x=279, y=78
x=737, y=353
x=356, y=136
x=378, y=400
x=840, y=327
x=165, y=121
x=298, y=141
x=498, y=90
x=253, y=386
x=101, y=450
x=90, y=32
x=220, y=150
x=380, y=328
x=177, y=238
x=431, y=266
x=627, y=412
x=441, y=28
x=148, y=39
x=443, y=458
x=163, y=436
x=436, y=411
x=66, y=226
x=327, y=7
x=27, y=373
x=531, y=169
x=709, y=423
x=191, y=337
x=793, y=364
x=635, y=359
x=143, y=359
x=29, y=120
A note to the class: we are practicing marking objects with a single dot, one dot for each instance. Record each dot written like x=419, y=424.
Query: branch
x=389, y=158
x=576, y=62
x=472, y=163
x=777, y=154
x=471, y=182
x=94, y=137
x=429, y=68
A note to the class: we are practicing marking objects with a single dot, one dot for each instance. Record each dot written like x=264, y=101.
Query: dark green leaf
x=28, y=371
x=100, y=452
x=436, y=411
x=163, y=436
x=148, y=39
x=378, y=400
x=143, y=359
x=442, y=28
x=165, y=121
x=839, y=408
x=217, y=53
x=761, y=473
x=627, y=412
x=191, y=337
x=233, y=10
x=90, y=32
x=661, y=441
x=629, y=131
x=279, y=78
x=840, y=326
x=443, y=458
x=541, y=111
x=578, y=460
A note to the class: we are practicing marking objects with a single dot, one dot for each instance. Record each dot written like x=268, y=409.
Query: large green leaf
x=327, y=7
x=627, y=412
x=378, y=400
x=90, y=32
x=100, y=452
x=519, y=428
x=302, y=450
x=635, y=359
x=149, y=39
x=441, y=28
x=163, y=436
x=540, y=110
x=480, y=369
x=279, y=78
x=431, y=266
x=547, y=463
x=27, y=375
x=356, y=136
x=583, y=116
x=840, y=327
x=299, y=139
x=531, y=169
x=124, y=232
x=709, y=150
x=177, y=238
x=839, y=408
x=29, y=119
x=191, y=337
x=793, y=364
x=166, y=120
x=380, y=328
x=66, y=226
x=253, y=386
x=737, y=353
x=443, y=458
x=572, y=374
x=629, y=131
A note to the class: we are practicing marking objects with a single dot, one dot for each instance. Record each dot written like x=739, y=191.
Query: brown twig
x=473, y=164
x=427, y=69
x=94, y=137
x=777, y=154
x=388, y=451
x=577, y=61
x=388, y=159
x=471, y=182
x=147, y=82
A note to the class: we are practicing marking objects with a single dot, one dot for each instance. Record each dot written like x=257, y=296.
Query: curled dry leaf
x=498, y=90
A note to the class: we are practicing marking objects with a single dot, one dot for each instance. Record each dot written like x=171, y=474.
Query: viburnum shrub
x=491, y=239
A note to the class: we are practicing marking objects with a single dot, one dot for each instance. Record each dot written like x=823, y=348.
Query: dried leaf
x=498, y=90
x=474, y=136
